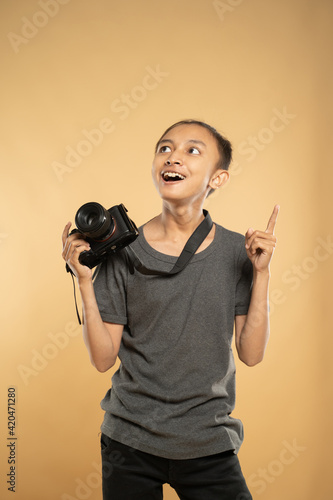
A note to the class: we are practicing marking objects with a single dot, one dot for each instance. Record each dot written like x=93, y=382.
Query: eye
x=164, y=149
x=194, y=151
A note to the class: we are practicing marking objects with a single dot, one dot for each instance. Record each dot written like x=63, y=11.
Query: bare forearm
x=95, y=334
x=102, y=339
x=254, y=335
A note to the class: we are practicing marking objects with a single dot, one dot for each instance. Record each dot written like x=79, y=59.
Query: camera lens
x=94, y=221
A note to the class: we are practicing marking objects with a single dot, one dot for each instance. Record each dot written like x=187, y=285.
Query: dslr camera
x=107, y=231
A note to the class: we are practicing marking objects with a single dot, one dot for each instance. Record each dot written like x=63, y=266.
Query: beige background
x=258, y=70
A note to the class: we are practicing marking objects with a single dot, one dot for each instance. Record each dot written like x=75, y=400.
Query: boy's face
x=184, y=166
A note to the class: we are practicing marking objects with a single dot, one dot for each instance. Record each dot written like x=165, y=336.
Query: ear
x=219, y=178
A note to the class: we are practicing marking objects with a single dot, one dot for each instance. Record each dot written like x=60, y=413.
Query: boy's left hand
x=260, y=245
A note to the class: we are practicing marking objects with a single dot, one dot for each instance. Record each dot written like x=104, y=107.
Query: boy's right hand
x=73, y=245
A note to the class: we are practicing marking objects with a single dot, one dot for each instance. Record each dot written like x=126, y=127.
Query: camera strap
x=192, y=244
x=186, y=255
x=68, y=269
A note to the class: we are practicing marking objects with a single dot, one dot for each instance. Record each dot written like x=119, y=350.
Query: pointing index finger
x=272, y=221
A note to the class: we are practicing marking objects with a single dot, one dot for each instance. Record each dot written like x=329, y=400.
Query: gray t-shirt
x=175, y=388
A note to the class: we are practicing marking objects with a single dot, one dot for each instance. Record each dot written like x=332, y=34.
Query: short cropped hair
x=223, y=145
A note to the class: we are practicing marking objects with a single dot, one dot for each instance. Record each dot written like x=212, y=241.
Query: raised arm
x=252, y=330
x=102, y=339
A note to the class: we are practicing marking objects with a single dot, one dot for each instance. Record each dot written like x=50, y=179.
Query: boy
x=167, y=416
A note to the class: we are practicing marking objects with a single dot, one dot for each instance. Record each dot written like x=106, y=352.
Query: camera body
x=107, y=231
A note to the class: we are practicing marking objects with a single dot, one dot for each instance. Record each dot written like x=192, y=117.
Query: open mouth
x=172, y=176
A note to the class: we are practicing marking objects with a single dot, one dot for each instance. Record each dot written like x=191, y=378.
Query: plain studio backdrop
x=87, y=88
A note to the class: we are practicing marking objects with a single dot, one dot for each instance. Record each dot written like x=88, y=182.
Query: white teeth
x=166, y=175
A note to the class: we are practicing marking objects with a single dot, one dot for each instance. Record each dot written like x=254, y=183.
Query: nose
x=173, y=160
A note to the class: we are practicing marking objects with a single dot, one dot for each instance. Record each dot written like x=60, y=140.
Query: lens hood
x=94, y=221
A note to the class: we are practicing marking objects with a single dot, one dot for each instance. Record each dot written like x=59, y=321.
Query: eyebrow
x=191, y=141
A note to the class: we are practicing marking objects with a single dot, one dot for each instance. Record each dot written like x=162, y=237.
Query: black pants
x=130, y=474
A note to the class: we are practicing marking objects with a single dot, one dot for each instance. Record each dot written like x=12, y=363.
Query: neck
x=181, y=220
x=169, y=231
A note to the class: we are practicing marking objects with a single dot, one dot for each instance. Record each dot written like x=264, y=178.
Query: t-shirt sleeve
x=244, y=282
x=110, y=289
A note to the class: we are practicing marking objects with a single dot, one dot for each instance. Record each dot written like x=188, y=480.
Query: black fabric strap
x=68, y=269
x=188, y=251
